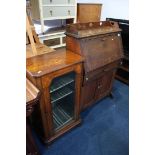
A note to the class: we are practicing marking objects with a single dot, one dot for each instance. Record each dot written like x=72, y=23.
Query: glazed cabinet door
x=88, y=94
x=104, y=84
x=60, y=101
x=62, y=95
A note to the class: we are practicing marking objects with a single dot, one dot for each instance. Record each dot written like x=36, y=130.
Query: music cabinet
x=58, y=76
x=100, y=44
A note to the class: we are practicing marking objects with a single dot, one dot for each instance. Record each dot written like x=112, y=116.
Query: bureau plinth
x=58, y=77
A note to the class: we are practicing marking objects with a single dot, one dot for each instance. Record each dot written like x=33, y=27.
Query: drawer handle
x=103, y=39
x=50, y=1
x=110, y=69
x=106, y=70
x=100, y=86
x=69, y=12
x=51, y=12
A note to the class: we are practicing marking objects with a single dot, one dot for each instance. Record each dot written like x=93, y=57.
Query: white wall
x=112, y=8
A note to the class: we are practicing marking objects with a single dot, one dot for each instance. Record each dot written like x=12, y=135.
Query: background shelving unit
x=53, y=10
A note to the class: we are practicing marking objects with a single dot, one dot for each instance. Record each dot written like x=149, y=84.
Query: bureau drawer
x=99, y=72
x=58, y=11
x=53, y=2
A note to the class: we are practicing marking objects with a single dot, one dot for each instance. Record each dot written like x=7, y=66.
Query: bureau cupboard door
x=104, y=84
x=88, y=94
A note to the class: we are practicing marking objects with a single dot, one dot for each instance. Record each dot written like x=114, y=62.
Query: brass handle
x=103, y=39
x=90, y=24
x=86, y=79
x=110, y=69
x=100, y=86
x=69, y=12
x=51, y=12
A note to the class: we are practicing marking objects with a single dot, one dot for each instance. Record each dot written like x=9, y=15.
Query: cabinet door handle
x=69, y=12
x=50, y=1
x=51, y=12
x=29, y=111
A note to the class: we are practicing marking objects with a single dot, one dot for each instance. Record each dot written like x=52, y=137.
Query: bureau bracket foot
x=111, y=95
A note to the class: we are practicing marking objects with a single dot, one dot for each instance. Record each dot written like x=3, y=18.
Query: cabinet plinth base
x=61, y=132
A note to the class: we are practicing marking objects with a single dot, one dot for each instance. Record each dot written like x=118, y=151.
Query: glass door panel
x=62, y=93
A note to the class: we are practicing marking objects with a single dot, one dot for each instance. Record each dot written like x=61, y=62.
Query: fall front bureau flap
x=101, y=50
x=100, y=43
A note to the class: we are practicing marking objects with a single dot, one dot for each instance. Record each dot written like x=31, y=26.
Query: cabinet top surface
x=43, y=64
